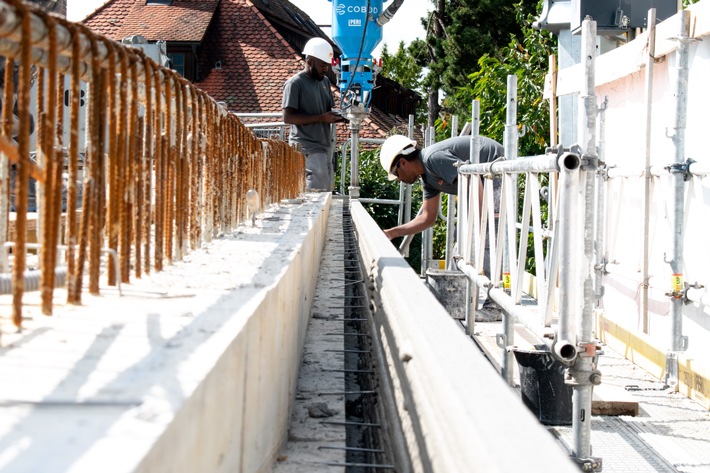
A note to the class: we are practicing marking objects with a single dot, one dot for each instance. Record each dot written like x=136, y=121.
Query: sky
x=404, y=26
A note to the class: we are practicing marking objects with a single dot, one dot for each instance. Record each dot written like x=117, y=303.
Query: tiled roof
x=106, y=20
x=183, y=20
x=255, y=59
x=287, y=13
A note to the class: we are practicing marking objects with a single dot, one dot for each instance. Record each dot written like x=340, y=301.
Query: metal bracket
x=589, y=464
x=589, y=162
x=681, y=168
x=501, y=340
x=684, y=343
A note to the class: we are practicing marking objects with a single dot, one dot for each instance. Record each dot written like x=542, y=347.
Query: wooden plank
x=610, y=400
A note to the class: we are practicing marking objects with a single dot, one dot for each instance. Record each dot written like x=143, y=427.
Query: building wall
x=621, y=94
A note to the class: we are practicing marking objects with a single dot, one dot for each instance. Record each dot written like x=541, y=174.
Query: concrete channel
x=365, y=368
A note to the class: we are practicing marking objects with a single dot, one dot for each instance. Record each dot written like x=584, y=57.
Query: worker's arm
x=426, y=219
x=294, y=117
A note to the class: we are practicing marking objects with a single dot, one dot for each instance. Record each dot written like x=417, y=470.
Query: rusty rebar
x=158, y=181
x=159, y=177
x=147, y=165
x=122, y=167
x=130, y=239
x=22, y=175
x=113, y=143
x=48, y=147
x=97, y=176
x=168, y=174
x=71, y=236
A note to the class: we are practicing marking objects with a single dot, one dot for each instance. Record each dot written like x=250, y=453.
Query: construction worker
x=307, y=106
x=436, y=166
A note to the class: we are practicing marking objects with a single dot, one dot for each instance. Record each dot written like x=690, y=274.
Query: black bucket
x=542, y=386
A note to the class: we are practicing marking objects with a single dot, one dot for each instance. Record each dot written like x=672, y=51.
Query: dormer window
x=158, y=2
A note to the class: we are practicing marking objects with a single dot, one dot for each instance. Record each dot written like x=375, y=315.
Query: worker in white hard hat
x=436, y=165
x=308, y=107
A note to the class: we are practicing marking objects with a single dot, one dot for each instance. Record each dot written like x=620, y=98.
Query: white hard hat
x=391, y=148
x=320, y=48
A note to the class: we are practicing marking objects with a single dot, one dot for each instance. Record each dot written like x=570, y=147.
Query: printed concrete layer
x=457, y=413
x=191, y=369
x=315, y=439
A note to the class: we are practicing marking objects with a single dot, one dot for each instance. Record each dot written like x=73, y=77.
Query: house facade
x=241, y=52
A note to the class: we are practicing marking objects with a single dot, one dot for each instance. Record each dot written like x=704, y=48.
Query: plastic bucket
x=542, y=386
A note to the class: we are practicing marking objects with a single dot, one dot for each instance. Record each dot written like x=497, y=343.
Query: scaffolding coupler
x=681, y=168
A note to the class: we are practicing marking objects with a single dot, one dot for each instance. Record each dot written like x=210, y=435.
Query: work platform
x=670, y=433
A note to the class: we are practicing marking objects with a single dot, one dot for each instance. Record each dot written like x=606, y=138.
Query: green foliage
x=473, y=29
x=402, y=67
x=528, y=61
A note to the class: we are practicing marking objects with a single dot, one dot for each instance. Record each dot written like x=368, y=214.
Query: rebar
x=164, y=166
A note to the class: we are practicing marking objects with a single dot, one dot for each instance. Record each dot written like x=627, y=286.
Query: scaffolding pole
x=679, y=342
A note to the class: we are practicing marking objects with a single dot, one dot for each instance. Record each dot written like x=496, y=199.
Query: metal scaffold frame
x=565, y=276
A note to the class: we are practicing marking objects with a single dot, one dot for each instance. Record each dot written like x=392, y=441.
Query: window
x=177, y=62
x=158, y=2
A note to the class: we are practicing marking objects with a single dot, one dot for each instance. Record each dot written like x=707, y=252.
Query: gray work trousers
x=319, y=171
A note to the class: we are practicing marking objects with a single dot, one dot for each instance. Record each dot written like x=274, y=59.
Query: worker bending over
x=437, y=166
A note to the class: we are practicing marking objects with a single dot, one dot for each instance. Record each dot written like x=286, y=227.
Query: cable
x=362, y=44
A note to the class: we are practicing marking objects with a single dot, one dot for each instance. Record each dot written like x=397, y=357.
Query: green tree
x=402, y=67
x=527, y=59
x=475, y=28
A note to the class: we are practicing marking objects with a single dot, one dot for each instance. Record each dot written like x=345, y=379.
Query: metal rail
x=566, y=274
x=164, y=166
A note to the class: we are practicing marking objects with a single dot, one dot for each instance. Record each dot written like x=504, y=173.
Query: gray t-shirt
x=310, y=97
x=439, y=159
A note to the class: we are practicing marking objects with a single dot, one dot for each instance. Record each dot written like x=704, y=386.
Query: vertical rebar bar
x=169, y=171
x=158, y=169
x=114, y=122
x=22, y=166
x=132, y=159
x=119, y=163
x=149, y=147
x=48, y=124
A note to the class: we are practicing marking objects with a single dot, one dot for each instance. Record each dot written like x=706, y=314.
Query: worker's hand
x=333, y=117
x=390, y=233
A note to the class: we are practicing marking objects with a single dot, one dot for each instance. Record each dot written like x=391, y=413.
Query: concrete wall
x=192, y=369
x=458, y=414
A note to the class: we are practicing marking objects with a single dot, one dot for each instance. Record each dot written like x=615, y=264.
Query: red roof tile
x=184, y=20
